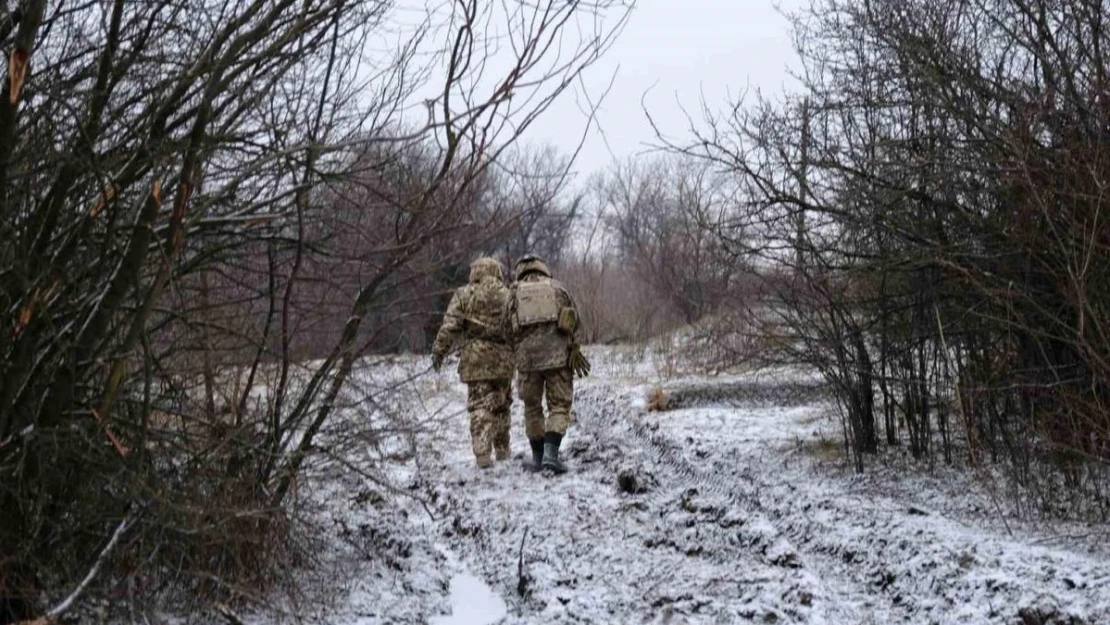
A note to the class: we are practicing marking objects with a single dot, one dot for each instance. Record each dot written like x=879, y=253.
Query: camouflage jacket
x=475, y=316
x=538, y=343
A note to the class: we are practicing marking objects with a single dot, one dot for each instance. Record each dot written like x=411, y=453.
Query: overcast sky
x=676, y=52
x=671, y=55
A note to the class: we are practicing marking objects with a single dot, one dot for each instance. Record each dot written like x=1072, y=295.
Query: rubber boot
x=537, y=455
x=551, y=461
x=483, y=462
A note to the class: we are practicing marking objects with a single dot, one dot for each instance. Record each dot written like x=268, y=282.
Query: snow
x=472, y=603
x=723, y=514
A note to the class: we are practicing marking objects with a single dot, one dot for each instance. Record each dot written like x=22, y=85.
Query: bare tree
x=534, y=198
x=660, y=211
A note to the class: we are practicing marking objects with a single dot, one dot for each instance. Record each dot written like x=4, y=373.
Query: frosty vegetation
x=226, y=225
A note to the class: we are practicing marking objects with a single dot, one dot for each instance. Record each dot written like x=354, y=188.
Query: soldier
x=543, y=322
x=485, y=363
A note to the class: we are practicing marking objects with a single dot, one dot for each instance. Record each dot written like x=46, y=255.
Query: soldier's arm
x=578, y=362
x=451, y=328
x=566, y=301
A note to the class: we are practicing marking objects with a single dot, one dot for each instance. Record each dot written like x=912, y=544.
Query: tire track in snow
x=739, y=487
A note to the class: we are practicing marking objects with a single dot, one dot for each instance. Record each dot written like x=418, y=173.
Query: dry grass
x=823, y=449
x=657, y=399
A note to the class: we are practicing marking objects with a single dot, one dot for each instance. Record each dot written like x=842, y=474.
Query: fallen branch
x=55, y=613
x=68, y=602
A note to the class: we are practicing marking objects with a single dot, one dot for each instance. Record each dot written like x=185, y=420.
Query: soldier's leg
x=502, y=420
x=479, y=406
x=531, y=395
x=530, y=388
x=559, y=389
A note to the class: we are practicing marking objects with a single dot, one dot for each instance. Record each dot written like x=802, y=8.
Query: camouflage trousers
x=557, y=385
x=488, y=403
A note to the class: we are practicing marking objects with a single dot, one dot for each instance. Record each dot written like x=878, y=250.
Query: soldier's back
x=539, y=343
x=486, y=353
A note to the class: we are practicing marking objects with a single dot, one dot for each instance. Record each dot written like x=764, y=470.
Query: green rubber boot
x=551, y=461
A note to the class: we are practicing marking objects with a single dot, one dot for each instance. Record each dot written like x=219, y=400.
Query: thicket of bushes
x=209, y=212
x=929, y=216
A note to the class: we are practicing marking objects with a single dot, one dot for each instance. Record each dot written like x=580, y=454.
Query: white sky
x=677, y=52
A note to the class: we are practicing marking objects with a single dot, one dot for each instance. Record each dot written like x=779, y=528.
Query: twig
x=986, y=477
x=521, y=583
x=1047, y=540
x=983, y=475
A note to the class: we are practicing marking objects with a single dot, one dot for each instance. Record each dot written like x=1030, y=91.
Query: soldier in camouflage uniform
x=485, y=363
x=542, y=322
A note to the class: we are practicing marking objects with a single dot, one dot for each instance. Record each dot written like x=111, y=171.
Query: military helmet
x=486, y=267
x=529, y=263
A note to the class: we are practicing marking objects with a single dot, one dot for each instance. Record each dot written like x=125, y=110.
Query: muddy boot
x=536, y=461
x=483, y=462
x=501, y=453
x=551, y=460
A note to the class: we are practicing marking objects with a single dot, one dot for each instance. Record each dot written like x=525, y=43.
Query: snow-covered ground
x=734, y=506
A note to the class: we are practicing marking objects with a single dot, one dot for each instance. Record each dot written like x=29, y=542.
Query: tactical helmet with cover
x=530, y=263
x=486, y=268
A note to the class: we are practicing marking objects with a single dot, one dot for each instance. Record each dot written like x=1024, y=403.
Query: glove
x=578, y=362
x=437, y=362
